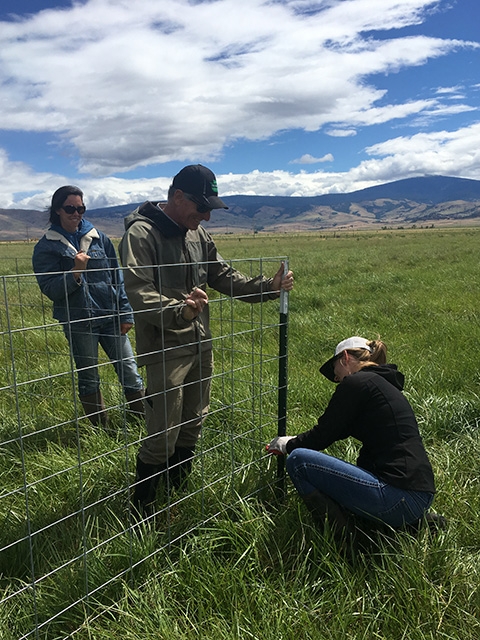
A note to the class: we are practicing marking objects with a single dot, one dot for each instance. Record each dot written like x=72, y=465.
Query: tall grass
x=259, y=569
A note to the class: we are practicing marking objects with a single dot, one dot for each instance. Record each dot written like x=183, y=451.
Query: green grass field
x=260, y=569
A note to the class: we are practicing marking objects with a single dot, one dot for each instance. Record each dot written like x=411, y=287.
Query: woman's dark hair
x=59, y=198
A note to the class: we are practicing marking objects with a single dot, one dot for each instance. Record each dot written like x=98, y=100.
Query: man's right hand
x=194, y=303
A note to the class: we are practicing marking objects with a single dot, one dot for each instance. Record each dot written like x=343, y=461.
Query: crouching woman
x=392, y=481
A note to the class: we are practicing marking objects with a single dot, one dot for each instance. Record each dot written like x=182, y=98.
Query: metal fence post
x=282, y=383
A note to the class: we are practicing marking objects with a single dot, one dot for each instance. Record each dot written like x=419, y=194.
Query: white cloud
x=130, y=84
x=341, y=133
x=449, y=90
x=446, y=153
x=14, y=176
x=454, y=153
x=123, y=84
x=309, y=159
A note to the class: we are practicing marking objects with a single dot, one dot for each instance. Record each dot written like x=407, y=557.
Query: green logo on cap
x=213, y=186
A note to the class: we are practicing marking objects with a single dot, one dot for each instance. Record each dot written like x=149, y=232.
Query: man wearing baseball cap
x=169, y=260
x=201, y=184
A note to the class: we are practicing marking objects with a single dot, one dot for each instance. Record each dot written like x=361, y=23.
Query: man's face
x=187, y=214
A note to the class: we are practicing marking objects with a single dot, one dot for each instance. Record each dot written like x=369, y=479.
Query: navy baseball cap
x=201, y=183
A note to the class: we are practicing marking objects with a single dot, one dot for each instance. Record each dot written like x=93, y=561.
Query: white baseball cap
x=355, y=342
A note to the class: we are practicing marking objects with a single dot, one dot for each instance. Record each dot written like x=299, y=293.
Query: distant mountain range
x=421, y=202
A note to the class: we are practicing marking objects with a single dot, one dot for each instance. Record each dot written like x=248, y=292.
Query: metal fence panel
x=65, y=508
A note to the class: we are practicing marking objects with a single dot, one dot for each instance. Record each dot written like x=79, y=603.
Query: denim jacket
x=100, y=291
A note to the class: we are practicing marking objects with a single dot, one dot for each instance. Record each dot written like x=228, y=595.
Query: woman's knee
x=294, y=462
x=303, y=458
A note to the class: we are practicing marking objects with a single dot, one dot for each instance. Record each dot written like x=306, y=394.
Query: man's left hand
x=282, y=280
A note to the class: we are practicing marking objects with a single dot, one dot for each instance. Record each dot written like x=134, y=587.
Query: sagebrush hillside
x=426, y=201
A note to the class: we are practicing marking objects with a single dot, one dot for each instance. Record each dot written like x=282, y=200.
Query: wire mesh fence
x=67, y=523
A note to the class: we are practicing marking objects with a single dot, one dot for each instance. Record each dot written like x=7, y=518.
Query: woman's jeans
x=357, y=490
x=84, y=338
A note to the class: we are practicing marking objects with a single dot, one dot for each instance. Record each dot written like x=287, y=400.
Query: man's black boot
x=180, y=467
x=146, y=482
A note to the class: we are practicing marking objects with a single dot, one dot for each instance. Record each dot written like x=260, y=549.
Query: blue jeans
x=84, y=338
x=357, y=490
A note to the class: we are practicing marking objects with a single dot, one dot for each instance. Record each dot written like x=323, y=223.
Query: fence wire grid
x=66, y=520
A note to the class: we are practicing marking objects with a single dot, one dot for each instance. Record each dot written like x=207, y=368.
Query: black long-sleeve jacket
x=369, y=405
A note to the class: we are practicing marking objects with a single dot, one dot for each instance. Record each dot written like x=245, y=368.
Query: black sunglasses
x=70, y=209
x=201, y=208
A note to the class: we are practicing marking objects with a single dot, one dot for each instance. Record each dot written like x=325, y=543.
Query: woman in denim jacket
x=77, y=268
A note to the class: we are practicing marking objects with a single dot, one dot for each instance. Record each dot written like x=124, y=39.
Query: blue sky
x=277, y=97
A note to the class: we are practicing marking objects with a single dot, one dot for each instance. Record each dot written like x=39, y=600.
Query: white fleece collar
x=85, y=241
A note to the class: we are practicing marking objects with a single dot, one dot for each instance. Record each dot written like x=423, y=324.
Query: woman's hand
x=125, y=328
x=80, y=264
x=278, y=446
x=81, y=260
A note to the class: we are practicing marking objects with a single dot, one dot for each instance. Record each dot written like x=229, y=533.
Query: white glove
x=278, y=446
